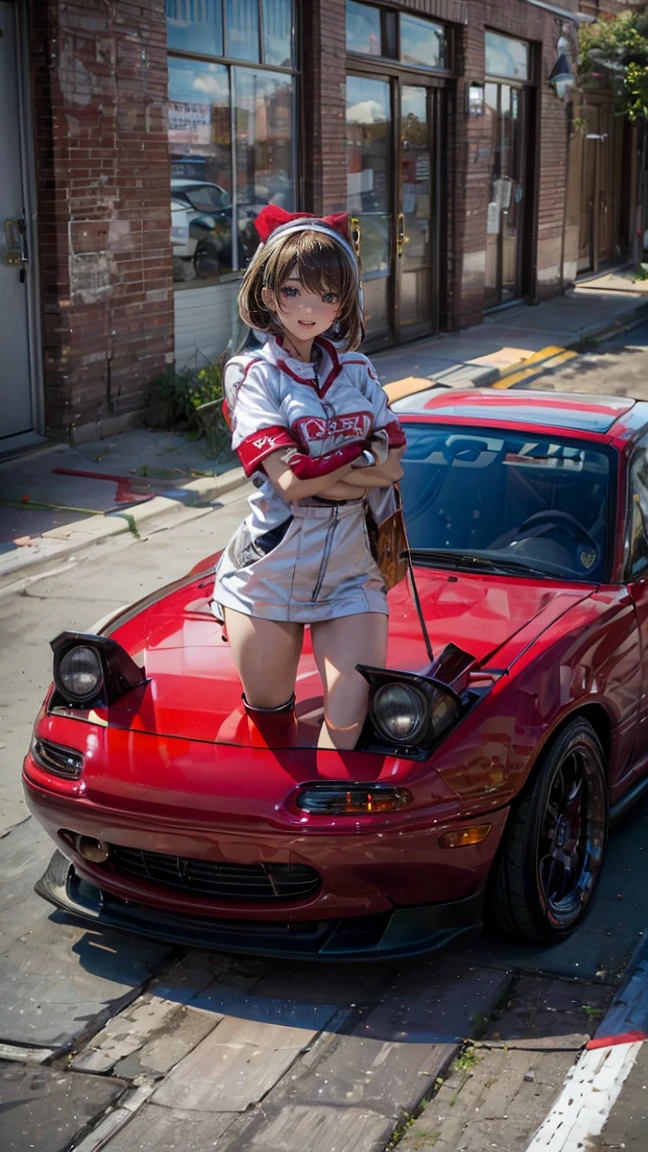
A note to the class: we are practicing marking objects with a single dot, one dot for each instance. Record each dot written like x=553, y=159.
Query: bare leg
x=266, y=654
x=338, y=646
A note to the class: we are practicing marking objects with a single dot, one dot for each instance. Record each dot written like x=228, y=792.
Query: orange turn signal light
x=465, y=836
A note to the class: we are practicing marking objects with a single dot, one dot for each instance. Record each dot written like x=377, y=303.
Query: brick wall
x=100, y=89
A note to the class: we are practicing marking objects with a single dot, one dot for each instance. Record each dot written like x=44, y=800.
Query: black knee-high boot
x=277, y=726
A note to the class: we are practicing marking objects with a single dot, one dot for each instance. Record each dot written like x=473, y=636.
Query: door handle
x=16, y=241
x=356, y=235
x=400, y=233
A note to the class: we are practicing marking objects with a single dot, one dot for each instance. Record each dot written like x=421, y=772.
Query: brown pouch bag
x=388, y=541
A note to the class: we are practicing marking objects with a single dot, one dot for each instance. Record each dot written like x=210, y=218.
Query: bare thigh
x=338, y=646
x=266, y=654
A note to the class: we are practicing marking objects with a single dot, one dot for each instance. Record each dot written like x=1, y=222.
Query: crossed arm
x=345, y=483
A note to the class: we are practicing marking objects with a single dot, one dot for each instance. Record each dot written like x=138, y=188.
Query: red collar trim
x=336, y=366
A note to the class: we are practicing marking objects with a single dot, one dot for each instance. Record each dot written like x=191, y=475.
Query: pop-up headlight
x=407, y=712
x=89, y=669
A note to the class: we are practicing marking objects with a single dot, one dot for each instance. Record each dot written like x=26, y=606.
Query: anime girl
x=312, y=427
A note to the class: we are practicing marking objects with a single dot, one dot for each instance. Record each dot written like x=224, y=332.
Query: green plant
x=642, y=272
x=619, y=47
x=467, y=1060
x=192, y=400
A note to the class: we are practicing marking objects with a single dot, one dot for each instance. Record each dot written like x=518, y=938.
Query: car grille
x=209, y=878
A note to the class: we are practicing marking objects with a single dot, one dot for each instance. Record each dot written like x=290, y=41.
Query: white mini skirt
x=321, y=568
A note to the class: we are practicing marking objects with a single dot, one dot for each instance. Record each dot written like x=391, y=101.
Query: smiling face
x=303, y=314
x=300, y=286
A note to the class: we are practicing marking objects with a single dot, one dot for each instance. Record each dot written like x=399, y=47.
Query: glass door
x=506, y=118
x=416, y=249
x=392, y=186
x=370, y=168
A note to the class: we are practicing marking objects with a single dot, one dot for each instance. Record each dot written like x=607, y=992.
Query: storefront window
x=242, y=30
x=422, y=43
x=195, y=26
x=506, y=57
x=263, y=111
x=232, y=131
x=278, y=33
x=363, y=29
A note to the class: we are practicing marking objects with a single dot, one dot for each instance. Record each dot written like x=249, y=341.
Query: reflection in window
x=242, y=30
x=195, y=26
x=506, y=57
x=277, y=32
x=422, y=43
x=201, y=170
x=369, y=165
x=264, y=120
x=219, y=185
x=363, y=29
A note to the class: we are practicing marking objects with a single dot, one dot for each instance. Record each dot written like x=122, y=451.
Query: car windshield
x=509, y=502
x=206, y=198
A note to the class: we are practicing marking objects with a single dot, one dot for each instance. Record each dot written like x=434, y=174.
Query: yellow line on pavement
x=550, y=358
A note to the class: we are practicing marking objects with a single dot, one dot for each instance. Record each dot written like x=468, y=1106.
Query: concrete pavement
x=58, y=500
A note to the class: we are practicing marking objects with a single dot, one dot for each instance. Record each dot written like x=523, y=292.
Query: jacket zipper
x=328, y=544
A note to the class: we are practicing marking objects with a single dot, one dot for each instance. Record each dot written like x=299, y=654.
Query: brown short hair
x=323, y=265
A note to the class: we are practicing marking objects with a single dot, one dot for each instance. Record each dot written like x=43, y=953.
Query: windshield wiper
x=445, y=558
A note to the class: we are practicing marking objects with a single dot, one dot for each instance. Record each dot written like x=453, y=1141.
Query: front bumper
x=390, y=935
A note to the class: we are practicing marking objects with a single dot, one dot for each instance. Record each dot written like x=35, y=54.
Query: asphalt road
x=60, y=983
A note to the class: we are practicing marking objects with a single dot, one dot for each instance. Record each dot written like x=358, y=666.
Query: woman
x=312, y=427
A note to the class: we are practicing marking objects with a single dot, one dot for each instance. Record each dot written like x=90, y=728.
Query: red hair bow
x=272, y=216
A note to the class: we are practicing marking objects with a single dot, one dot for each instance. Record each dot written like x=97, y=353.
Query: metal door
x=16, y=414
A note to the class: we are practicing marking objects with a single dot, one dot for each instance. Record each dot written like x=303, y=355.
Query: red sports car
x=484, y=780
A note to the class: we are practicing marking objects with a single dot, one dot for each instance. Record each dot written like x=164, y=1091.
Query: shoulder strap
x=410, y=567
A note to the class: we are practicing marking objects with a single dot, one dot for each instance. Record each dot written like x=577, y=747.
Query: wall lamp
x=561, y=77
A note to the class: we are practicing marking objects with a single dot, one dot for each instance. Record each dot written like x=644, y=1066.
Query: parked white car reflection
x=201, y=229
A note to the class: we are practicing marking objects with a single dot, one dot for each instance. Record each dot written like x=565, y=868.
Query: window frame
x=390, y=36
x=231, y=63
x=513, y=81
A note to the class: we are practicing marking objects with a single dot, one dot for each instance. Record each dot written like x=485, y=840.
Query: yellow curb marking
x=549, y=357
x=548, y=361
x=407, y=387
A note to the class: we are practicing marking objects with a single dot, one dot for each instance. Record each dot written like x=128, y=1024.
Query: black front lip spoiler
x=391, y=935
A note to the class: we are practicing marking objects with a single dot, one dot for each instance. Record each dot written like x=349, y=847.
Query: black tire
x=552, y=854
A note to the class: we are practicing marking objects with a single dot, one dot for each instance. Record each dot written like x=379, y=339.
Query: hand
x=379, y=446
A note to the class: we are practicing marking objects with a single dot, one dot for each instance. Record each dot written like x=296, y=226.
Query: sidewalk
x=603, y=1103
x=57, y=500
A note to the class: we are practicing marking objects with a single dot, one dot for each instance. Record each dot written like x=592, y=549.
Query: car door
x=636, y=576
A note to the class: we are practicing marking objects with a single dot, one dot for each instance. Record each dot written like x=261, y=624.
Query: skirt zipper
x=328, y=544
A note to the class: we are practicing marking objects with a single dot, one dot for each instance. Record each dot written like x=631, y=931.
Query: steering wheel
x=570, y=525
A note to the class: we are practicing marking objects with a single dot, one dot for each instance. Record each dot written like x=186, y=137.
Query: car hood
x=193, y=689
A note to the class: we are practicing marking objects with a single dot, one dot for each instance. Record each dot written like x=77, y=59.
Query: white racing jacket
x=321, y=414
